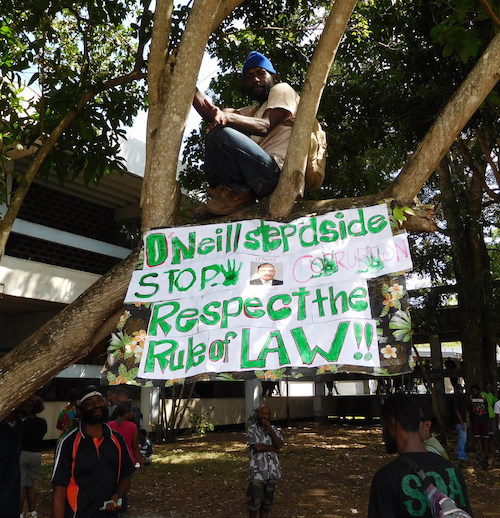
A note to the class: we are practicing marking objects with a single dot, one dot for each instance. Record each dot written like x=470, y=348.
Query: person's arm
x=233, y=119
x=58, y=501
x=135, y=448
x=251, y=125
x=277, y=442
x=204, y=107
x=121, y=489
x=61, y=476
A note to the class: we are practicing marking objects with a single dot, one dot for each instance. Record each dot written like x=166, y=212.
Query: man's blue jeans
x=461, y=440
x=235, y=160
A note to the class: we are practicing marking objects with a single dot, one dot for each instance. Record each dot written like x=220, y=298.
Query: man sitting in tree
x=246, y=148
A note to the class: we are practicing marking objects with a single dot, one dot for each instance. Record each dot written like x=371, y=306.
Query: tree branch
x=491, y=12
x=226, y=7
x=64, y=339
x=142, y=36
x=158, y=74
x=487, y=154
x=291, y=182
x=475, y=170
x=160, y=190
x=422, y=221
x=448, y=125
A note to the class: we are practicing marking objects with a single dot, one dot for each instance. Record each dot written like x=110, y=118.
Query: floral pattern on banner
x=389, y=302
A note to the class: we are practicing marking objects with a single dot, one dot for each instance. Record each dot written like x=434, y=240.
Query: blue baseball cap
x=256, y=59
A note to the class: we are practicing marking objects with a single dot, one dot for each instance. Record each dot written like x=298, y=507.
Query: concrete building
x=65, y=237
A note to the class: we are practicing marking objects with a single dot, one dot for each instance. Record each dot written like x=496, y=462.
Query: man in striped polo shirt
x=92, y=468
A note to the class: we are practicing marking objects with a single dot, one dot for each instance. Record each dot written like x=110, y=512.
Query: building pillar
x=319, y=393
x=253, y=396
x=150, y=406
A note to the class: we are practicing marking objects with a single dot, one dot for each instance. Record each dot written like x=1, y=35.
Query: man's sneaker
x=226, y=201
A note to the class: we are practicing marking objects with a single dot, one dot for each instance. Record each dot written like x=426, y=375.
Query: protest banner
x=258, y=297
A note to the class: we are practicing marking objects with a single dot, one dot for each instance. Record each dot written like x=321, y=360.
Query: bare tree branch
x=464, y=150
x=487, y=155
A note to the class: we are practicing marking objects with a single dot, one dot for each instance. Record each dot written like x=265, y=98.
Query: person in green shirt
x=491, y=399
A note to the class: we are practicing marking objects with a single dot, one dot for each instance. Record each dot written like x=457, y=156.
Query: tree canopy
x=72, y=79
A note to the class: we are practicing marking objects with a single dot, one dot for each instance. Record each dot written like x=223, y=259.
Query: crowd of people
x=102, y=443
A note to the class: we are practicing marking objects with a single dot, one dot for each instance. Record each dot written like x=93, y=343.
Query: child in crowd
x=145, y=447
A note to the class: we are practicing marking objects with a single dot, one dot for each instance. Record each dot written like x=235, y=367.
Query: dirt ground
x=327, y=472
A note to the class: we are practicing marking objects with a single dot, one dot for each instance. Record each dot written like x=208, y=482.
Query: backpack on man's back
x=316, y=159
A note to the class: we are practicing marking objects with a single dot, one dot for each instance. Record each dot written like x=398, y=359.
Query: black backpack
x=442, y=506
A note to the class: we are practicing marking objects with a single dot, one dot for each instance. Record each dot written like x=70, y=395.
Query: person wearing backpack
x=245, y=148
x=397, y=490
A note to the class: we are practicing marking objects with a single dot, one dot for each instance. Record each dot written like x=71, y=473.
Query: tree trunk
x=472, y=271
x=438, y=392
x=69, y=335
x=291, y=181
x=160, y=190
x=64, y=339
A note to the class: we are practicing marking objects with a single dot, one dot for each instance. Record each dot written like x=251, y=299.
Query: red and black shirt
x=90, y=469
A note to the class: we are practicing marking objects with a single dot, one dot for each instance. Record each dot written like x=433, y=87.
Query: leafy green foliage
x=461, y=28
x=387, y=85
x=201, y=423
x=53, y=52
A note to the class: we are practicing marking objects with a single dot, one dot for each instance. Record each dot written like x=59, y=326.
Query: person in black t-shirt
x=479, y=421
x=32, y=433
x=10, y=473
x=396, y=490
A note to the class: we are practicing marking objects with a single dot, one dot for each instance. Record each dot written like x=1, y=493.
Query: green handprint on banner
x=328, y=267
x=231, y=274
x=372, y=263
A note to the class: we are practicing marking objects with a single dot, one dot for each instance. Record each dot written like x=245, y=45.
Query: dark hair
x=38, y=406
x=119, y=390
x=123, y=408
x=265, y=264
x=404, y=410
x=475, y=386
x=142, y=431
